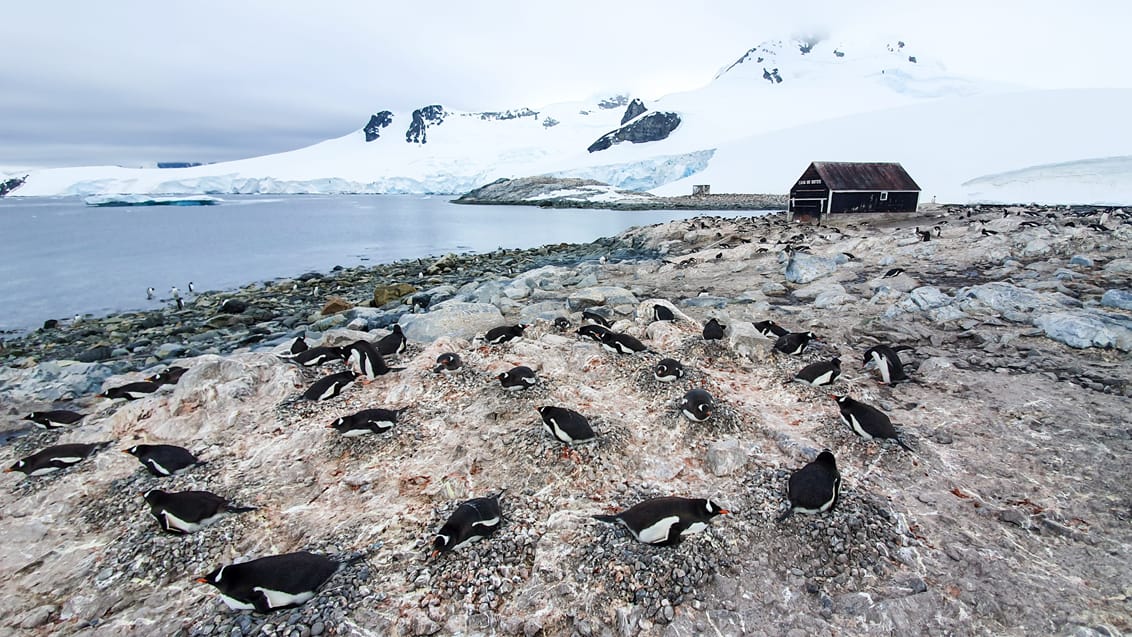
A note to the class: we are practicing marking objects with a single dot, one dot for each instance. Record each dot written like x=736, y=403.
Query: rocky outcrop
x=9, y=185
x=636, y=107
x=546, y=190
x=423, y=118
x=377, y=122
x=648, y=128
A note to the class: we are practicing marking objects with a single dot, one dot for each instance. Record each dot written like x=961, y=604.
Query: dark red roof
x=864, y=176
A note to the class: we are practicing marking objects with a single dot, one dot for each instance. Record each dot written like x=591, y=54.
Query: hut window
x=883, y=196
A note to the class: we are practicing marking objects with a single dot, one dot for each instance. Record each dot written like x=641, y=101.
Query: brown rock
x=383, y=294
x=335, y=305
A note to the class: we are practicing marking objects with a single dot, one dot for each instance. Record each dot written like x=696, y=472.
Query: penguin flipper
x=612, y=519
x=239, y=509
x=785, y=514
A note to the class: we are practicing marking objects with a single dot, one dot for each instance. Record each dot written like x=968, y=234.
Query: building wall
x=872, y=202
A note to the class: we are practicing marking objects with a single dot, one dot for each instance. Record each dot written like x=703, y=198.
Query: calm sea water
x=59, y=257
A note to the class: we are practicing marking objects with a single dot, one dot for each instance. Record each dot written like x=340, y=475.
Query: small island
x=563, y=192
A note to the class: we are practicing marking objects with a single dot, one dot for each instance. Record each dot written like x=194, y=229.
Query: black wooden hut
x=828, y=187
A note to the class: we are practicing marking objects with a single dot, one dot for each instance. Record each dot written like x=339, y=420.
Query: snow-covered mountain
x=754, y=128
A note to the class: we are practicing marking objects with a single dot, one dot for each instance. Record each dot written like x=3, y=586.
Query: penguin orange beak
x=725, y=511
x=434, y=553
x=201, y=580
x=9, y=470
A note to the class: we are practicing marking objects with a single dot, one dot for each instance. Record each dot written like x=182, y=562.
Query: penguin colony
x=812, y=489
x=289, y=580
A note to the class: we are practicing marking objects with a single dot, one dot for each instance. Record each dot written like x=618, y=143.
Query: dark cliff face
x=636, y=107
x=422, y=118
x=647, y=128
x=376, y=123
x=9, y=185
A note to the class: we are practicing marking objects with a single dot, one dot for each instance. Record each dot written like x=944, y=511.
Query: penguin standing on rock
x=472, y=521
x=794, y=342
x=696, y=405
x=820, y=373
x=668, y=370
x=566, y=425
x=447, y=363
x=517, y=378
x=504, y=333
x=392, y=343
x=54, y=458
x=184, y=512
x=665, y=521
x=713, y=330
x=272, y=583
x=366, y=421
x=330, y=386
x=887, y=362
x=813, y=488
x=367, y=359
x=54, y=419
x=867, y=421
x=164, y=460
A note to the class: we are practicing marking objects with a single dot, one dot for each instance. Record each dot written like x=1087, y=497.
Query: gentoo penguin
x=271, y=583
x=596, y=318
x=924, y=235
x=696, y=405
x=593, y=331
x=448, y=362
x=566, y=425
x=367, y=359
x=561, y=323
x=662, y=313
x=192, y=288
x=330, y=386
x=867, y=421
x=504, y=333
x=887, y=361
x=471, y=521
x=668, y=370
x=164, y=460
x=54, y=419
x=180, y=303
x=794, y=342
x=392, y=343
x=665, y=521
x=131, y=391
x=149, y=293
x=770, y=329
x=820, y=373
x=299, y=345
x=315, y=356
x=188, y=511
x=366, y=421
x=813, y=488
x=893, y=273
x=517, y=378
x=57, y=457
x=619, y=343
x=713, y=330
x=168, y=376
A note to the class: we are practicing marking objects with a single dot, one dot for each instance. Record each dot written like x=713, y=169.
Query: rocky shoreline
x=1009, y=518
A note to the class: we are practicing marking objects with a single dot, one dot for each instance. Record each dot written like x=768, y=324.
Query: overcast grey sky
x=134, y=81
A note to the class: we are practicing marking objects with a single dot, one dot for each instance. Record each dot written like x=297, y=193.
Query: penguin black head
x=19, y=466
x=714, y=509
x=561, y=324
x=826, y=459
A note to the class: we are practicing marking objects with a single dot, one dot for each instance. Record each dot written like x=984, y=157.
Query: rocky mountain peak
x=423, y=117
x=377, y=122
